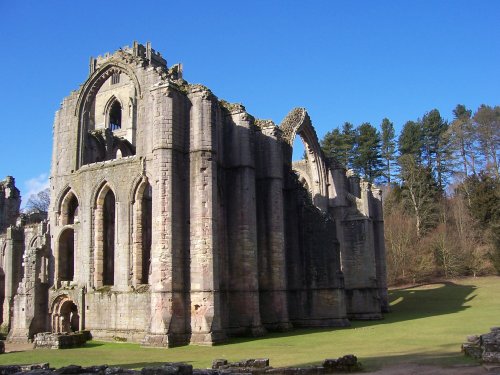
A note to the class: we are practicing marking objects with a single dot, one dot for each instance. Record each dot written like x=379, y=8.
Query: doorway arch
x=65, y=317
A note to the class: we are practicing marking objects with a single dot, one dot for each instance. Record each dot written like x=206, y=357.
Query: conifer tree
x=368, y=159
x=436, y=146
x=463, y=138
x=388, y=148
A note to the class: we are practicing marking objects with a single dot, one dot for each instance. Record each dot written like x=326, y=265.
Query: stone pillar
x=379, y=243
x=13, y=259
x=243, y=289
x=271, y=235
x=358, y=258
x=204, y=271
x=167, y=322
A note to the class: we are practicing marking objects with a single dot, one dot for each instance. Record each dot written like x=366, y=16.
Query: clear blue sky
x=343, y=60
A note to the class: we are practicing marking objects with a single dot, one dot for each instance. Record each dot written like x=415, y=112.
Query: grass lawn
x=427, y=325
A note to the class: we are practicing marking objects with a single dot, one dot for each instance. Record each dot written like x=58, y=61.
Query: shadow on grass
x=430, y=300
x=92, y=344
x=410, y=303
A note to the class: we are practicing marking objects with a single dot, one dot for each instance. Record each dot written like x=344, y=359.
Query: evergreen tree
x=368, y=159
x=331, y=144
x=487, y=126
x=339, y=145
x=463, y=138
x=388, y=148
x=348, y=144
x=410, y=140
x=436, y=146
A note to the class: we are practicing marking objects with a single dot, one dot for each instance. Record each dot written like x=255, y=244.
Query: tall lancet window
x=115, y=116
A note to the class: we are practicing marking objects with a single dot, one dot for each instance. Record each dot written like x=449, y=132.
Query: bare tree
x=38, y=202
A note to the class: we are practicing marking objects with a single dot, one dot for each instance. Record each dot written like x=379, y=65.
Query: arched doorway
x=65, y=317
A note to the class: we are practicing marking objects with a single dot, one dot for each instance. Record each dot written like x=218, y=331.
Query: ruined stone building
x=178, y=218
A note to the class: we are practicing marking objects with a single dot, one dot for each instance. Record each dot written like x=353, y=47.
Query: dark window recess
x=115, y=78
x=115, y=116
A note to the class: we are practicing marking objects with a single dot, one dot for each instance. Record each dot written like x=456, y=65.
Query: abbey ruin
x=177, y=217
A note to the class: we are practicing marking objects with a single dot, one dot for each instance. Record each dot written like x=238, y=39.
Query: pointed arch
x=105, y=236
x=65, y=254
x=87, y=96
x=298, y=122
x=142, y=231
x=113, y=113
x=68, y=208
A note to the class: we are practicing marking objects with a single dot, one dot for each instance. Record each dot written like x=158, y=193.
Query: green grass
x=427, y=325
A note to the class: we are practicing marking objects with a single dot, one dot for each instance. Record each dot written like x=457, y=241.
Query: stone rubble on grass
x=484, y=347
x=348, y=363
x=49, y=340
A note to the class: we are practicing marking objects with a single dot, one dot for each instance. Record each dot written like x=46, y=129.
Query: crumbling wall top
x=142, y=55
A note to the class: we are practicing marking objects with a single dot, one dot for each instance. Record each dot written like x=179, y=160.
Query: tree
x=462, y=137
x=436, y=146
x=484, y=196
x=419, y=192
x=38, y=202
x=331, y=144
x=368, y=159
x=348, y=144
x=410, y=140
x=487, y=126
x=339, y=145
x=388, y=148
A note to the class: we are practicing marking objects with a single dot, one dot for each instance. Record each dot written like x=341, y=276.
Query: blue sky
x=342, y=60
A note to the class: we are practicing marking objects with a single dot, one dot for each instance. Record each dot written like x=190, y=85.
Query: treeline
x=441, y=189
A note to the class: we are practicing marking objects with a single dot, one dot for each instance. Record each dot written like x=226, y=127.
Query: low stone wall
x=484, y=347
x=344, y=364
x=348, y=363
x=49, y=340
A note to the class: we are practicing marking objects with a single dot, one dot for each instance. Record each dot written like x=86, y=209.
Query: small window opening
x=115, y=116
x=115, y=78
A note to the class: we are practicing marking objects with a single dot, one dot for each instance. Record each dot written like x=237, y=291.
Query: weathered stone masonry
x=178, y=218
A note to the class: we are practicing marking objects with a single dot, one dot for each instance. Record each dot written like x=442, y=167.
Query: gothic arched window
x=115, y=116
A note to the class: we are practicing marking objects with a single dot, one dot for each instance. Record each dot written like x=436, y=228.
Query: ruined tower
x=178, y=218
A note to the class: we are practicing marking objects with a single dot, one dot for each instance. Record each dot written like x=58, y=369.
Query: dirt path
x=412, y=369
x=17, y=347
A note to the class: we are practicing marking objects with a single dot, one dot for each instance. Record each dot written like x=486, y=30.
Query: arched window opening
x=72, y=210
x=299, y=151
x=66, y=258
x=109, y=239
x=147, y=216
x=115, y=78
x=115, y=116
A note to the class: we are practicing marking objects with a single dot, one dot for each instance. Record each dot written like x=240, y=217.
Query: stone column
x=379, y=243
x=167, y=324
x=13, y=259
x=243, y=290
x=272, y=262
x=204, y=271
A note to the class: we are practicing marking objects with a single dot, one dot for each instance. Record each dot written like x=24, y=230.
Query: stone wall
x=10, y=201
